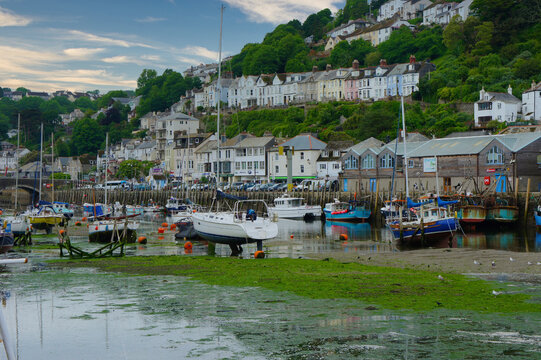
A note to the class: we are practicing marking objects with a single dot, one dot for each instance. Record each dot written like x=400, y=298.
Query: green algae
x=386, y=287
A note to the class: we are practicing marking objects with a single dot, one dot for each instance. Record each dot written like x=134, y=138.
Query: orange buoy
x=160, y=237
x=291, y=237
x=165, y=225
x=173, y=226
x=343, y=236
x=142, y=240
x=84, y=218
x=259, y=254
x=161, y=230
x=187, y=245
x=77, y=223
x=62, y=231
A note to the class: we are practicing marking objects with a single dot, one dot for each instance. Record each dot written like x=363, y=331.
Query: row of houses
x=437, y=12
x=270, y=90
x=71, y=96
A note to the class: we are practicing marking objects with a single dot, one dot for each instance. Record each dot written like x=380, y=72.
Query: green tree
x=87, y=137
x=146, y=77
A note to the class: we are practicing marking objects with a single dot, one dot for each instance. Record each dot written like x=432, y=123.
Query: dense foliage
x=347, y=121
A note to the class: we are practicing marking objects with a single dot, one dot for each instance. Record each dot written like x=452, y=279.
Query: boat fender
x=343, y=236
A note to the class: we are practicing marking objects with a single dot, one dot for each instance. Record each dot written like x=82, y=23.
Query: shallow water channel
x=69, y=313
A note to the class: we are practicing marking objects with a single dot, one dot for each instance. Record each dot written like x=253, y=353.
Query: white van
x=310, y=185
x=116, y=184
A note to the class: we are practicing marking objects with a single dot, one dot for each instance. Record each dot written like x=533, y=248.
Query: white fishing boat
x=287, y=207
x=248, y=222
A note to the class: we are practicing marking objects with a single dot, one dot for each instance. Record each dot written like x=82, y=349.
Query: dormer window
x=495, y=156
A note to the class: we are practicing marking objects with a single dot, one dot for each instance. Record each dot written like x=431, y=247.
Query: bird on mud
x=476, y=262
x=494, y=292
x=511, y=259
x=493, y=264
x=440, y=277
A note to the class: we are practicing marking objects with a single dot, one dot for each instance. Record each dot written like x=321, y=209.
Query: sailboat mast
x=40, y=161
x=219, y=88
x=17, y=162
x=405, y=147
x=106, y=163
x=52, y=165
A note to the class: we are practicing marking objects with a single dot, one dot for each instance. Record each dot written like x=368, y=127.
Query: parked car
x=239, y=185
x=247, y=185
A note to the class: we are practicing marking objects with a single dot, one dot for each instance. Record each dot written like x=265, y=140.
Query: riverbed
x=86, y=313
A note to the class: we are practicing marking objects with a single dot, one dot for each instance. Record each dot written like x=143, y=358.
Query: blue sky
x=86, y=45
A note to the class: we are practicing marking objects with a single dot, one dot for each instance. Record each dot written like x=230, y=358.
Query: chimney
x=509, y=90
x=329, y=67
x=355, y=64
x=412, y=59
x=482, y=94
x=314, y=68
x=383, y=62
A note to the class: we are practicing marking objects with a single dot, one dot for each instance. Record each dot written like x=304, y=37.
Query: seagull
x=440, y=277
x=511, y=259
x=476, y=262
x=530, y=263
x=493, y=264
x=494, y=292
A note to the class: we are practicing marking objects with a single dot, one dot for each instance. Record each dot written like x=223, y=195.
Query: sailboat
x=248, y=221
x=104, y=229
x=44, y=217
x=18, y=222
x=425, y=220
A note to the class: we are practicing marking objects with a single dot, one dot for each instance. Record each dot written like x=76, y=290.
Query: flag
x=109, y=171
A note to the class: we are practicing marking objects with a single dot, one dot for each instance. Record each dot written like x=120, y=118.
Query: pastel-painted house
x=352, y=82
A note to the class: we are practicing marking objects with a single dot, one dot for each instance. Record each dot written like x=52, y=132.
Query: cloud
x=79, y=35
x=45, y=70
x=8, y=18
x=187, y=60
x=150, y=19
x=201, y=51
x=82, y=53
x=281, y=11
x=141, y=61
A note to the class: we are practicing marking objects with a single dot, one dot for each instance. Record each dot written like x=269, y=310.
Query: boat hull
x=537, y=217
x=107, y=231
x=355, y=215
x=503, y=214
x=186, y=230
x=224, y=228
x=438, y=229
x=301, y=212
x=472, y=214
x=6, y=241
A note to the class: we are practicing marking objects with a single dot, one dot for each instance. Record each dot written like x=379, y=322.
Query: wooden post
x=516, y=190
x=526, y=202
x=376, y=212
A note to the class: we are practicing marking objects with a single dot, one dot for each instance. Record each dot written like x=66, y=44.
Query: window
x=277, y=169
x=249, y=165
x=368, y=162
x=495, y=156
x=276, y=156
x=322, y=166
x=261, y=151
x=302, y=169
x=244, y=165
x=336, y=166
x=256, y=163
x=336, y=153
x=262, y=165
x=485, y=106
x=387, y=161
x=411, y=164
x=302, y=156
x=351, y=163
x=249, y=151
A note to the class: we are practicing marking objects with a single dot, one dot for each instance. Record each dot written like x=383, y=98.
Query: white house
x=307, y=150
x=329, y=163
x=166, y=126
x=205, y=158
x=442, y=12
x=251, y=158
x=348, y=28
x=496, y=106
x=531, y=102
x=390, y=8
x=414, y=8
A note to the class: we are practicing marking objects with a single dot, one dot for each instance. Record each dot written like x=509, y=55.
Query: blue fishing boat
x=346, y=211
x=426, y=221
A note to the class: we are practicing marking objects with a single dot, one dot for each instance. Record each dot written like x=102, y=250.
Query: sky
x=49, y=45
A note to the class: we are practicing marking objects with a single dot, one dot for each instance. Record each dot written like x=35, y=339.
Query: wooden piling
x=527, y=201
